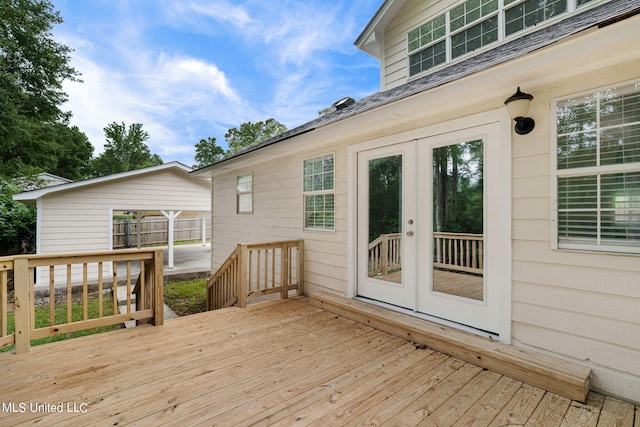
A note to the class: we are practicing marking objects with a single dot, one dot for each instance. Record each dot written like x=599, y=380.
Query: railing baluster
x=100, y=293
x=69, y=307
x=114, y=286
x=85, y=292
x=128, y=286
x=52, y=296
x=3, y=302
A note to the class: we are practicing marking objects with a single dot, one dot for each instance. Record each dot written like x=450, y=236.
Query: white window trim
x=595, y=170
x=242, y=193
x=317, y=193
x=572, y=8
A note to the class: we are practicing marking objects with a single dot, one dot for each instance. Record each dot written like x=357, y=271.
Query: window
x=598, y=171
x=318, y=191
x=474, y=24
x=244, y=193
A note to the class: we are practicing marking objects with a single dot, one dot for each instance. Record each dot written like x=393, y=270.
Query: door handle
x=410, y=233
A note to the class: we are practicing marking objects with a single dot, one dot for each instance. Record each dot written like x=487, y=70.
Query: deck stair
x=257, y=269
x=552, y=374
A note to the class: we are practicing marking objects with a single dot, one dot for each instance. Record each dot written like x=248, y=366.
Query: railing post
x=300, y=267
x=284, y=271
x=23, y=304
x=242, y=280
x=384, y=254
x=158, y=287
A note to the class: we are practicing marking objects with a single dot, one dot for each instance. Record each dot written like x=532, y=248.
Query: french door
x=386, y=205
x=425, y=230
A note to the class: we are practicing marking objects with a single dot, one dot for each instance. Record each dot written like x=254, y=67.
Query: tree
x=252, y=133
x=17, y=221
x=125, y=150
x=207, y=152
x=32, y=69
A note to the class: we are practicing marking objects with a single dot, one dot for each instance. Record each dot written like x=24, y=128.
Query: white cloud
x=171, y=96
x=195, y=14
x=272, y=59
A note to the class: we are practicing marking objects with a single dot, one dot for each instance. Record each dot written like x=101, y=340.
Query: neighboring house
x=423, y=198
x=50, y=179
x=78, y=216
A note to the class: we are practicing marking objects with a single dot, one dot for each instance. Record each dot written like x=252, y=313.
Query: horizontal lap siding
x=412, y=14
x=582, y=306
x=278, y=215
x=78, y=220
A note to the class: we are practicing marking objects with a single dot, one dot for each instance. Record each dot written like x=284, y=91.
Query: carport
x=78, y=216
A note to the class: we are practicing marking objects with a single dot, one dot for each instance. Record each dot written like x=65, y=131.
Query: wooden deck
x=281, y=362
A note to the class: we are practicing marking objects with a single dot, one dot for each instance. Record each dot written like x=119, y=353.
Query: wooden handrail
x=257, y=269
x=77, y=272
x=458, y=252
x=385, y=252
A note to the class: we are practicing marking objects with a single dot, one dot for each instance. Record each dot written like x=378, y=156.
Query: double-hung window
x=474, y=24
x=318, y=193
x=244, y=194
x=597, y=167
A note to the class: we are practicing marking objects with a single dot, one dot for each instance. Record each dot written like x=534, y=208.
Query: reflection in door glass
x=458, y=241
x=385, y=218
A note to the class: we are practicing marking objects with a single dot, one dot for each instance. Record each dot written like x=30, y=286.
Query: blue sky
x=191, y=69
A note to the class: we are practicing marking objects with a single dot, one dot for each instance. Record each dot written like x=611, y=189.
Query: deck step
x=552, y=374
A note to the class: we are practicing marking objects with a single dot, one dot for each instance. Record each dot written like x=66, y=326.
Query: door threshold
x=429, y=318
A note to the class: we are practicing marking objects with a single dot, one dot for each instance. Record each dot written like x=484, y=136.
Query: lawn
x=184, y=298
x=60, y=316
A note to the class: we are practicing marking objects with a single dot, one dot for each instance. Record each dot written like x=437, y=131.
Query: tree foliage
x=249, y=134
x=125, y=150
x=207, y=152
x=32, y=69
x=17, y=221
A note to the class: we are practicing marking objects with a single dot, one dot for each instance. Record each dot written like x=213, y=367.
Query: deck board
x=275, y=363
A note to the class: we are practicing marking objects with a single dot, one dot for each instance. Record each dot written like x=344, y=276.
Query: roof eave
x=36, y=194
x=371, y=38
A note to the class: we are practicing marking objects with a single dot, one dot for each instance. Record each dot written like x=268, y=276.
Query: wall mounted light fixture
x=518, y=107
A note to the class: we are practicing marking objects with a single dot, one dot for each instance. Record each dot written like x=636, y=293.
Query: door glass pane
x=458, y=241
x=385, y=218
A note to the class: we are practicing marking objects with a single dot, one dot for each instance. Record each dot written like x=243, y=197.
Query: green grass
x=186, y=297
x=60, y=316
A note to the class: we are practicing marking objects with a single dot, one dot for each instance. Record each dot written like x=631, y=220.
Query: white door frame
x=502, y=242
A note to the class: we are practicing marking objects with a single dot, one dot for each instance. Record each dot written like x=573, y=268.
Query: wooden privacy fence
x=154, y=230
x=385, y=253
x=257, y=269
x=149, y=291
x=458, y=252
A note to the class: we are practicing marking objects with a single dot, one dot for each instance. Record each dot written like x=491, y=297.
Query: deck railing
x=79, y=273
x=385, y=253
x=257, y=269
x=458, y=252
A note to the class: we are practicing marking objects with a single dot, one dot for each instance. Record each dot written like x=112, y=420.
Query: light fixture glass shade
x=518, y=108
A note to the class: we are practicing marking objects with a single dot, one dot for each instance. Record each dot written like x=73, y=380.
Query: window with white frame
x=473, y=24
x=597, y=181
x=244, y=193
x=318, y=193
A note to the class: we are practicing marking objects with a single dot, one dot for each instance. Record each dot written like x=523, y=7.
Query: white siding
x=579, y=306
x=411, y=15
x=278, y=215
x=78, y=220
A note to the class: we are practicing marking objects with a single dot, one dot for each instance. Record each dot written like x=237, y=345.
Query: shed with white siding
x=78, y=216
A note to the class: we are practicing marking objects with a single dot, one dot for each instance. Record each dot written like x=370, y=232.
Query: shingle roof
x=598, y=16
